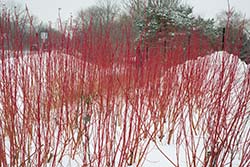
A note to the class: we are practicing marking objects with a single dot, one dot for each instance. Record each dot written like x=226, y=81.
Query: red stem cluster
x=97, y=101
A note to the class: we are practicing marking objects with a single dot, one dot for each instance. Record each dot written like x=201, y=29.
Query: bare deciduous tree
x=105, y=11
x=237, y=27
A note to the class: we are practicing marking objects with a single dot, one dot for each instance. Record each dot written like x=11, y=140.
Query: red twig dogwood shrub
x=89, y=100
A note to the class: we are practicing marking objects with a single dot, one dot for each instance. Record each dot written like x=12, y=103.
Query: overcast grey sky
x=47, y=10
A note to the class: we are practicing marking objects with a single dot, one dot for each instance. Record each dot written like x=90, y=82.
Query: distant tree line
x=170, y=17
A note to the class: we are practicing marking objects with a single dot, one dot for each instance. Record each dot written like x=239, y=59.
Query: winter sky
x=47, y=10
